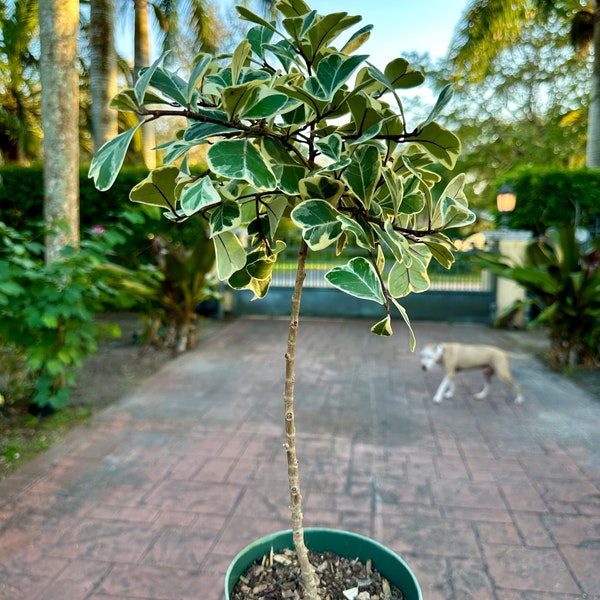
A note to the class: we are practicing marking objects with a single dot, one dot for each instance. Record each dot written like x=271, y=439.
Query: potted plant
x=297, y=128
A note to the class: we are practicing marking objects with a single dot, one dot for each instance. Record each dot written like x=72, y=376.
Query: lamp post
x=506, y=200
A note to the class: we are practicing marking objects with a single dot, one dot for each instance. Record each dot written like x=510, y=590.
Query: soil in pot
x=277, y=576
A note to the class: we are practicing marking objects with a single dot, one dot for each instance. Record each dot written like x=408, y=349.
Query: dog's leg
x=439, y=395
x=487, y=374
x=449, y=393
x=504, y=374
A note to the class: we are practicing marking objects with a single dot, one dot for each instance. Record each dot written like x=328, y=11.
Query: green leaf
x=313, y=86
x=395, y=189
x=256, y=275
x=11, y=288
x=157, y=189
x=248, y=15
x=177, y=149
x=286, y=168
x=362, y=175
x=362, y=238
x=440, y=252
x=369, y=133
x=144, y=79
x=402, y=310
x=330, y=146
x=321, y=187
x=265, y=102
x=383, y=328
x=357, y=40
x=284, y=52
x=316, y=104
x=403, y=280
x=239, y=58
x=440, y=143
x=441, y=103
x=125, y=101
x=401, y=76
x=364, y=115
x=202, y=131
x=396, y=242
x=290, y=8
x=202, y=64
x=198, y=195
x=358, y=278
x=230, y=254
x=258, y=37
x=325, y=29
x=107, y=162
x=224, y=217
x=275, y=207
x=452, y=210
x=171, y=85
x=319, y=223
x=236, y=97
x=240, y=159
x=335, y=69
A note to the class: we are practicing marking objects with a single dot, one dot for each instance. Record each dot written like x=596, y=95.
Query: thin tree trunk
x=141, y=59
x=59, y=22
x=103, y=71
x=593, y=133
x=308, y=575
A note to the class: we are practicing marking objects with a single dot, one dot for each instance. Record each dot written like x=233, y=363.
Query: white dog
x=460, y=357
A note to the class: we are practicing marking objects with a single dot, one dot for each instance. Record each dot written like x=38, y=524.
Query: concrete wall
x=432, y=305
x=511, y=244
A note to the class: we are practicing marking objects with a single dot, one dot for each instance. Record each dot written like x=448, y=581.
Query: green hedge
x=22, y=207
x=547, y=197
x=22, y=196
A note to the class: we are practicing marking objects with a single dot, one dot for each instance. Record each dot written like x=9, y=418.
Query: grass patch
x=23, y=436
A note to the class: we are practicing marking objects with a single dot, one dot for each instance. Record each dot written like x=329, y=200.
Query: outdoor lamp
x=506, y=200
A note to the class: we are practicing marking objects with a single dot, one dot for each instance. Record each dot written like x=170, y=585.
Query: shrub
x=47, y=314
x=563, y=277
x=549, y=197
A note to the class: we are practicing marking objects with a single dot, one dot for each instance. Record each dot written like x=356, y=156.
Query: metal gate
x=465, y=293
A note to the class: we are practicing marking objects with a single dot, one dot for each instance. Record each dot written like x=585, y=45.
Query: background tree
x=103, y=70
x=202, y=33
x=530, y=109
x=20, y=130
x=59, y=24
x=488, y=27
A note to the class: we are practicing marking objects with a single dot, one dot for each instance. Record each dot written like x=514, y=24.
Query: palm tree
x=489, y=26
x=59, y=27
x=203, y=24
x=103, y=70
x=20, y=130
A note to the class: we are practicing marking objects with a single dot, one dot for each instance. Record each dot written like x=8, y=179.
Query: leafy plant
x=47, y=312
x=562, y=276
x=299, y=129
x=169, y=295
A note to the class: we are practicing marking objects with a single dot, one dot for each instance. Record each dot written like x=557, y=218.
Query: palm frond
x=486, y=28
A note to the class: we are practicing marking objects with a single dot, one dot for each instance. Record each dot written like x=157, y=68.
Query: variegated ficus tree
x=300, y=127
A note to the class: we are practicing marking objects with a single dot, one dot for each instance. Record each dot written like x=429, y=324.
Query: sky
x=400, y=26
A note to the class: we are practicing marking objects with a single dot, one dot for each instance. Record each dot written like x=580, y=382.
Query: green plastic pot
x=342, y=543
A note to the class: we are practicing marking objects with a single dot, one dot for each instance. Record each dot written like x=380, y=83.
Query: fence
x=464, y=275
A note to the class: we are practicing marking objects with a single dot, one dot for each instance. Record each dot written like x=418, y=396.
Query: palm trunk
x=307, y=572
x=103, y=71
x=142, y=59
x=59, y=24
x=593, y=134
